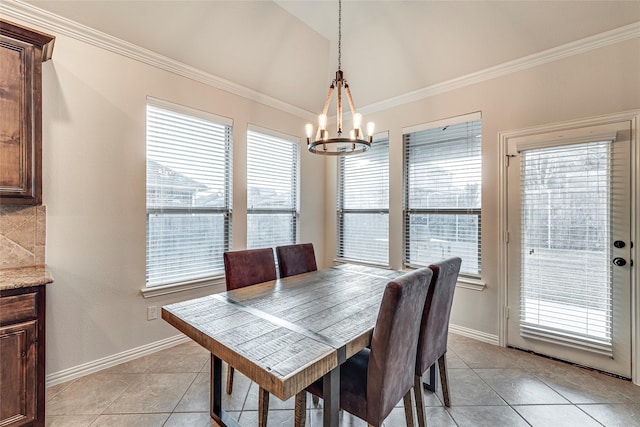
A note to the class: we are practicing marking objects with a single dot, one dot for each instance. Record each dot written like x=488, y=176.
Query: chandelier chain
x=339, y=35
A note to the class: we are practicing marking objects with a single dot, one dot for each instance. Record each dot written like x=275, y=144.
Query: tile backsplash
x=22, y=236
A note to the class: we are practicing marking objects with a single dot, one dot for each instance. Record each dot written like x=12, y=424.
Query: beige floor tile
x=555, y=415
x=129, y=420
x=518, y=387
x=467, y=388
x=152, y=393
x=437, y=417
x=89, y=395
x=188, y=357
x=580, y=388
x=274, y=418
x=487, y=416
x=69, y=420
x=614, y=414
x=192, y=419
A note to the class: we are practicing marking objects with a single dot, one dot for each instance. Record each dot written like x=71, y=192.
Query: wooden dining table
x=287, y=333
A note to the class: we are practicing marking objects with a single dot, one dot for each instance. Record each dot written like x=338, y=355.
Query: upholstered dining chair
x=374, y=380
x=296, y=259
x=246, y=268
x=434, y=329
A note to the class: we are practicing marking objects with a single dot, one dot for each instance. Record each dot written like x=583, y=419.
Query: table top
x=287, y=333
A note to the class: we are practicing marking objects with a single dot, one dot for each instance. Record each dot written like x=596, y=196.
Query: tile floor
x=490, y=386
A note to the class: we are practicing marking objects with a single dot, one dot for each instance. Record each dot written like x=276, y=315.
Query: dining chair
x=434, y=329
x=374, y=380
x=296, y=259
x=246, y=268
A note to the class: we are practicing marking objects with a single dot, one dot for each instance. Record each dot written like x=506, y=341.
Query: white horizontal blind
x=363, y=205
x=188, y=195
x=566, y=270
x=272, y=190
x=442, y=195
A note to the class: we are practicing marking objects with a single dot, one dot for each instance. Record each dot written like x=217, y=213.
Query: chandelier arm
x=325, y=109
x=339, y=115
x=350, y=99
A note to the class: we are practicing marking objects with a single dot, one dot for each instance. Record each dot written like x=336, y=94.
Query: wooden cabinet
x=22, y=52
x=22, y=335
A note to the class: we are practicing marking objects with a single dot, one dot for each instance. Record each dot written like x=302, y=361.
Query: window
x=442, y=190
x=363, y=205
x=188, y=193
x=272, y=189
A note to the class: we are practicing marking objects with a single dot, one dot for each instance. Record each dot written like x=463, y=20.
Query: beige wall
x=606, y=80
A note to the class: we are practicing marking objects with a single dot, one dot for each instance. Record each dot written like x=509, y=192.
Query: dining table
x=287, y=333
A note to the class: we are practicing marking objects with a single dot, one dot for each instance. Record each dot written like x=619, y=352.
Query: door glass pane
x=566, y=270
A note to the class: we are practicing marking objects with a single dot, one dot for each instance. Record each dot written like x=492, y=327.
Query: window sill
x=155, y=291
x=473, y=284
x=339, y=261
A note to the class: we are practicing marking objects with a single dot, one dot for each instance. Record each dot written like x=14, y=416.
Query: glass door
x=569, y=227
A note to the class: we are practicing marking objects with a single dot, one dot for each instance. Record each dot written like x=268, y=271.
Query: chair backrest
x=394, y=343
x=296, y=259
x=437, y=310
x=248, y=267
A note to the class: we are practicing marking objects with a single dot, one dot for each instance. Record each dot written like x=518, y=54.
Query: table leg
x=432, y=385
x=331, y=392
x=216, y=386
x=218, y=416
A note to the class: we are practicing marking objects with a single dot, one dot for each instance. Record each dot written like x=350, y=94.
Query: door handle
x=620, y=262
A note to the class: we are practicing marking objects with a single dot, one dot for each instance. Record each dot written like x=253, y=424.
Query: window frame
x=381, y=138
x=294, y=211
x=226, y=210
x=472, y=280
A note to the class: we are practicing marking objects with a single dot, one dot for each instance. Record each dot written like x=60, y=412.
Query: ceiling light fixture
x=339, y=146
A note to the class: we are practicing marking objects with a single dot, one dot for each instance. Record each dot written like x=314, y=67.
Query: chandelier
x=356, y=142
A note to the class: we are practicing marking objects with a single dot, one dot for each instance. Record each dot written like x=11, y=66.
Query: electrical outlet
x=152, y=312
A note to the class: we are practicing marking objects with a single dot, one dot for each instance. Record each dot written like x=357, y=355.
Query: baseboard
x=472, y=333
x=113, y=360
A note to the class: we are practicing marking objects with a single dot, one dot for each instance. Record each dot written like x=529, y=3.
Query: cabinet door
x=18, y=374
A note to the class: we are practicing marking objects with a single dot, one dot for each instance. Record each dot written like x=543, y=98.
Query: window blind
x=442, y=195
x=565, y=267
x=273, y=164
x=188, y=194
x=363, y=205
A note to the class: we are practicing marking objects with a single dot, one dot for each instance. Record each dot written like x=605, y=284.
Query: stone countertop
x=23, y=277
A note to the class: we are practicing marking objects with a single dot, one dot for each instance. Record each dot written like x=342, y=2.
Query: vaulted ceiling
x=287, y=49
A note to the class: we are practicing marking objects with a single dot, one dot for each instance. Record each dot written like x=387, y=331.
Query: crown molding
x=59, y=25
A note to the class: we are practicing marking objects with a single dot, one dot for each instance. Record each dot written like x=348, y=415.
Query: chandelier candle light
x=339, y=146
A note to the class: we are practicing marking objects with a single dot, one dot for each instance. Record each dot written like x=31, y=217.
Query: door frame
x=502, y=234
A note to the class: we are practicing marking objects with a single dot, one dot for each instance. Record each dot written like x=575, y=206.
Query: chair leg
x=230, y=372
x=417, y=390
x=300, y=411
x=444, y=380
x=263, y=407
x=408, y=409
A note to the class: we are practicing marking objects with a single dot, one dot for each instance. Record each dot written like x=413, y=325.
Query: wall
x=94, y=188
x=601, y=81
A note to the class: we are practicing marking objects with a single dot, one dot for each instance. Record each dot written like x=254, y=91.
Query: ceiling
x=287, y=49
